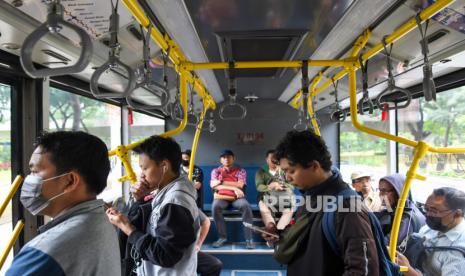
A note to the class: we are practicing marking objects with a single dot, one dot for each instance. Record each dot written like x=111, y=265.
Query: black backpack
x=416, y=250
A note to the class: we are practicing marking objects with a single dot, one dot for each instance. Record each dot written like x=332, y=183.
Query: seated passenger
x=197, y=176
x=390, y=188
x=445, y=226
x=228, y=182
x=207, y=265
x=362, y=185
x=68, y=171
x=162, y=231
x=271, y=184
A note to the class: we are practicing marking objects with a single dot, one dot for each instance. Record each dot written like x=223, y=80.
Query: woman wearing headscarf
x=390, y=188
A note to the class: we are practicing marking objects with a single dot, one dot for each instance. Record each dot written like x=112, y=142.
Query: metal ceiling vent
x=259, y=46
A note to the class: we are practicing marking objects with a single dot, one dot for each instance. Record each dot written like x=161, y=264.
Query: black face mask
x=435, y=224
x=185, y=163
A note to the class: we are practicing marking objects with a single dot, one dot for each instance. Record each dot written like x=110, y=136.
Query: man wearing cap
x=362, y=185
x=228, y=182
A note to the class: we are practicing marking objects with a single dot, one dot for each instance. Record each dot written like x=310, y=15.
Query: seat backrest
x=251, y=191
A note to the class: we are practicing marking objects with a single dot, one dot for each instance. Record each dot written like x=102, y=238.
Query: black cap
x=226, y=152
x=187, y=151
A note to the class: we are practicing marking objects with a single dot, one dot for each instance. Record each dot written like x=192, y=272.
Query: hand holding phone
x=259, y=230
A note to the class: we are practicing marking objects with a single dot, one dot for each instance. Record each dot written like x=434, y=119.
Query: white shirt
x=444, y=263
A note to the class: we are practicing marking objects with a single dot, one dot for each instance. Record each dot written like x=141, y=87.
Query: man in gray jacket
x=164, y=236
x=68, y=171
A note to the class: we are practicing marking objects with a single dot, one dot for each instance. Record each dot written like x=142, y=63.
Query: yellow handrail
x=396, y=35
x=196, y=141
x=19, y=226
x=261, y=64
x=122, y=151
x=169, y=46
x=13, y=188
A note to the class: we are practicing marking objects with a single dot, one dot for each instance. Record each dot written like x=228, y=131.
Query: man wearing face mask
x=197, y=175
x=445, y=226
x=68, y=171
x=163, y=223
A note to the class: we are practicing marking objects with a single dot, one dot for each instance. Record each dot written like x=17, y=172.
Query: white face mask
x=31, y=193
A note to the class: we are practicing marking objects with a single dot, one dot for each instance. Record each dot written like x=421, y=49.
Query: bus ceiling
x=223, y=31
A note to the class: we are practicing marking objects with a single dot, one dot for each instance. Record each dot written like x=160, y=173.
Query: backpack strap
x=446, y=248
x=329, y=224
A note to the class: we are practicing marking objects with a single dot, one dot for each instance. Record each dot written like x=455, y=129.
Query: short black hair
x=453, y=198
x=303, y=147
x=270, y=151
x=187, y=152
x=160, y=148
x=80, y=151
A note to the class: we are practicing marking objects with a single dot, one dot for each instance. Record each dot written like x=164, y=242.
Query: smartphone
x=258, y=229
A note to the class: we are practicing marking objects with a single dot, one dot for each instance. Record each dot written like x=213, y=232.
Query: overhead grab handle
x=113, y=62
x=154, y=88
x=366, y=97
x=338, y=115
x=232, y=104
x=392, y=89
x=54, y=24
x=429, y=87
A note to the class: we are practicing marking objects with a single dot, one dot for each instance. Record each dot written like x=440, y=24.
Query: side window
x=6, y=219
x=68, y=111
x=360, y=151
x=142, y=127
x=441, y=124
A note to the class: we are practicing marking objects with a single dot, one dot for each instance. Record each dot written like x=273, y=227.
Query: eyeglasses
x=386, y=191
x=433, y=211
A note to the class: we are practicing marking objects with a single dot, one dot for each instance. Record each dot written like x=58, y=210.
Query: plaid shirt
x=235, y=174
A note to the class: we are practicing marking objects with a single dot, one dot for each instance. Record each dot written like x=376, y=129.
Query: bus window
x=360, y=151
x=441, y=124
x=142, y=127
x=69, y=111
x=5, y=166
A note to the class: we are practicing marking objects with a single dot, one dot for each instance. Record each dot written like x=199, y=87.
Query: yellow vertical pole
x=13, y=188
x=419, y=152
x=196, y=142
x=19, y=226
x=183, y=99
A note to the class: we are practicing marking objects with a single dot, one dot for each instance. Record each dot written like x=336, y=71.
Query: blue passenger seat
x=250, y=193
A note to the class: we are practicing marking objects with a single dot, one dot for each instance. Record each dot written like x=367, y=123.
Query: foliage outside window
x=360, y=151
x=73, y=112
x=6, y=226
x=142, y=127
x=440, y=124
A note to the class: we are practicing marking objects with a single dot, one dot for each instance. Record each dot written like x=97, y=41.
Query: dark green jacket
x=263, y=178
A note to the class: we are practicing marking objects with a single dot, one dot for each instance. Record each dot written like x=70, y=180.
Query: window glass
x=69, y=111
x=6, y=227
x=143, y=126
x=440, y=124
x=363, y=152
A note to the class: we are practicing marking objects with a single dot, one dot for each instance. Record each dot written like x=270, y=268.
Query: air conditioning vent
x=436, y=35
x=56, y=55
x=135, y=32
x=259, y=46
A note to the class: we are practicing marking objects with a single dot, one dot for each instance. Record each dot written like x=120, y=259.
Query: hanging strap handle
x=113, y=62
x=54, y=24
x=366, y=97
x=148, y=84
x=338, y=115
x=232, y=97
x=391, y=88
x=429, y=87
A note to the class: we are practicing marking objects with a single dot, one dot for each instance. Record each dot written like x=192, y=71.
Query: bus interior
x=381, y=81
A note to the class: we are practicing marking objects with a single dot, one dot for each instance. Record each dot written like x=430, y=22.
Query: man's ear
x=73, y=181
